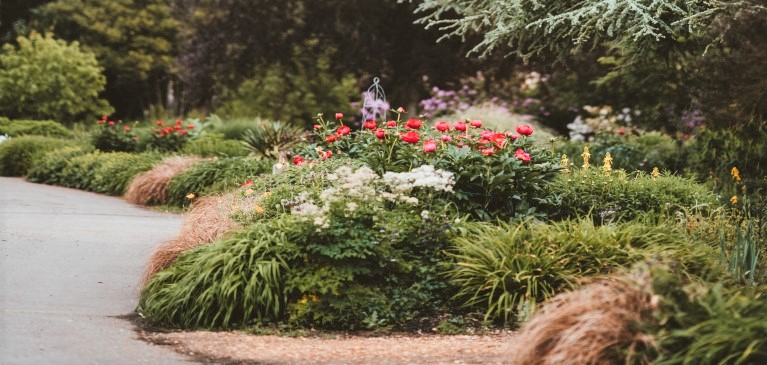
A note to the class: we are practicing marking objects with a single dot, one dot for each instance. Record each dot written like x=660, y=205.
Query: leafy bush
x=233, y=128
x=18, y=154
x=214, y=145
x=115, y=136
x=631, y=153
x=47, y=169
x=172, y=137
x=616, y=196
x=504, y=270
x=214, y=176
x=117, y=170
x=47, y=128
x=48, y=78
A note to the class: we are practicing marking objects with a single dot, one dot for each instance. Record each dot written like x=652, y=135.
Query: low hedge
x=214, y=176
x=15, y=128
x=18, y=154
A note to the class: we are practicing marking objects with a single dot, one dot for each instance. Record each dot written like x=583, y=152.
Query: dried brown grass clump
x=596, y=324
x=151, y=187
x=208, y=220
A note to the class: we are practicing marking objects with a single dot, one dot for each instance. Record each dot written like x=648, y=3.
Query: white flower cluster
x=425, y=176
x=4, y=137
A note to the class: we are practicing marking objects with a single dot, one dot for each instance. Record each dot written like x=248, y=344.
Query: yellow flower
x=608, y=165
x=734, y=200
x=565, y=162
x=655, y=173
x=190, y=196
x=586, y=155
x=259, y=209
x=735, y=173
x=249, y=191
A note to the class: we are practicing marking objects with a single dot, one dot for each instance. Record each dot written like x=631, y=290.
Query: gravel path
x=70, y=262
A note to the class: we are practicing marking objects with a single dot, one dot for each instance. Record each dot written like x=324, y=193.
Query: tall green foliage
x=46, y=78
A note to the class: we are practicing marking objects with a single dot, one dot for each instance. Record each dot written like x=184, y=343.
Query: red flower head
x=442, y=126
x=298, y=160
x=127, y=128
x=513, y=137
x=190, y=126
x=343, y=130
x=380, y=133
x=316, y=126
x=429, y=146
x=370, y=124
x=486, y=134
x=391, y=124
x=104, y=117
x=499, y=140
x=325, y=155
x=460, y=126
x=159, y=122
x=167, y=130
x=413, y=123
x=247, y=183
x=524, y=130
x=410, y=137
x=179, y=122
x=476, y=123
x=445, y=138
x=621, y=131
x=331, y=138
x=522, y=155
x=339, y=115
x=182, y=132
x=111, y=122
x=488, y=151
x=177, y=127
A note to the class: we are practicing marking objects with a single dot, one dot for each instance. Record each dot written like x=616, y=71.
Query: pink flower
x=429, y=146
x=488, y=151
x=391, y=124
x=524, y=130
x=339, y=115
x=413, y=123
x=442, y=126
x=476, y=123
x=445, y=138
x=460, y=126
x=522, y=155
x=486, y=134
x=343, y=130
x=370, y=124
x=410, y=137
x=111, y=122
x=380, y=133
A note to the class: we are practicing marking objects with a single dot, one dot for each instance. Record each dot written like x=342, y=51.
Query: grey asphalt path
x=70, y=263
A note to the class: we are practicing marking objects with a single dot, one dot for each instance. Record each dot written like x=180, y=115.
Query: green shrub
x=114, y=136
x=80, y=171
x=18, y=154
x=228, y=283
x=629, y=152
x=233, y=128
x=47, y=169
x=117, y=170
x=47, y=128
x=214, y=145
x=617, y=196
x=504, y=270
x=214, y=176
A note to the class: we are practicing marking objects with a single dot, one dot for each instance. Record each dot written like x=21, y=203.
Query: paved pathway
x=70, y=263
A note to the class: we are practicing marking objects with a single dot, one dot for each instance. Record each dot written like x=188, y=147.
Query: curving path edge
x=70, y=265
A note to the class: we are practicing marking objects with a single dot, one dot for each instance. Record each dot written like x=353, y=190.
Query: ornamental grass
x=151, y=187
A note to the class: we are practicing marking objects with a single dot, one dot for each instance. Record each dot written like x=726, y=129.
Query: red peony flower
x=442, y=126
x=247, y=183
x=621, y=131
x=380, y=133
x=486, y=134
x=339, y=115
x=127, y=128
x=391, y=124
x=298, y=160
x=159, y=122
x=325, y=155
x=476, y=123
x=430, y=146
x=370, y=124
x=179, y=122
x=177, y=127
x=445, y=138
x=499, y=140
x=331, y=138
x=104, y=117
x=413, y=123
x=343, y=130
x=316, y=126
x=524, y=130
x=182, y=132
x=190, y=126
x=513, y=137
x=460, y=126
x=522, y=155
x=111, y=122
x=410, y=137
x=488, y=151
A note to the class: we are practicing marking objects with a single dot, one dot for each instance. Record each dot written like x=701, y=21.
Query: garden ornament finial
x=374, y=106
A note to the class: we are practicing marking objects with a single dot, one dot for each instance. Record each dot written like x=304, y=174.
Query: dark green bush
x=214, y=176
x=114, y=136
x=117, y=170
x=48, y=128
x=214, y=145
x=18, y=154
x=615, y=196
x=630, y=153
x=47, y=169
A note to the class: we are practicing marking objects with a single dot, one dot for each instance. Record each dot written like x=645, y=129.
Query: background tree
x=134, y=40
x=15, y=16
x=45, y=78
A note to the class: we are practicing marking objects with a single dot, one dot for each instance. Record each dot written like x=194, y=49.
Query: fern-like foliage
x=539, y=27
